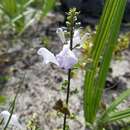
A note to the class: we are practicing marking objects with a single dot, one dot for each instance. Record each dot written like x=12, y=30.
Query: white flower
x=65, y=59
x=61, y=34
x=77, y=39
x=47, y=56
x=13, y=121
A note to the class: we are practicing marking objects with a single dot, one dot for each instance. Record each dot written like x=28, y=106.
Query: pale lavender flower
x=77, y=39
x=61, y=35
x=65, y=59
x=47, y=56
x=13, y=121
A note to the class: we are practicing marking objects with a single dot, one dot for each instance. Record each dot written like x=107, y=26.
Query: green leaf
x=2, y=99
x=11, y=109
x=110, y=114
x=115, y=103
x=25, y=3
x=9, y=7
x=22, y=2
x=104, y=44
x=47, y=6
x=115, y=116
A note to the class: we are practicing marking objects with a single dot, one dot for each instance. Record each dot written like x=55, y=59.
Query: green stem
x=11, y=109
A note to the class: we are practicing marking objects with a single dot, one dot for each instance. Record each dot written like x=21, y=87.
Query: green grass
x=104, y=44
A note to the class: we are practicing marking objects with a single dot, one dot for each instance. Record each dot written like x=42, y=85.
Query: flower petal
x=66, y=58
x=61, y=35
x=47, y=56
x=76, y=38
x=13, y=121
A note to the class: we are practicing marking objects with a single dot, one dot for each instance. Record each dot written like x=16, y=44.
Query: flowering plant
x=66, y=59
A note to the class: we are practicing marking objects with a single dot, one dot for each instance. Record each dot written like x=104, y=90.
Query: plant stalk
x=67, y=98
x=69, y=78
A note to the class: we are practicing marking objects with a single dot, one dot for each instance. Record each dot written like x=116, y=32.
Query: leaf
x=115, y=103
x=12, y=106
x=104, y=43
x=25, y=3
x=2, y=99
x=60, y=107
x=22, y=2
x=47, y=6
x=9, y=7
x=115, y=116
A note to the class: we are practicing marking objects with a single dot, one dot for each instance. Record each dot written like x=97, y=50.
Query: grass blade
x=47, y=6
x=115, y=116
x=9, y=7
x=103, y=46
x=11, y=109
x=110, y=44
x=115, y=103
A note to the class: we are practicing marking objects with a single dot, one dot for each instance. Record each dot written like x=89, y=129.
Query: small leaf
x=60, y=107
x=2, y=99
